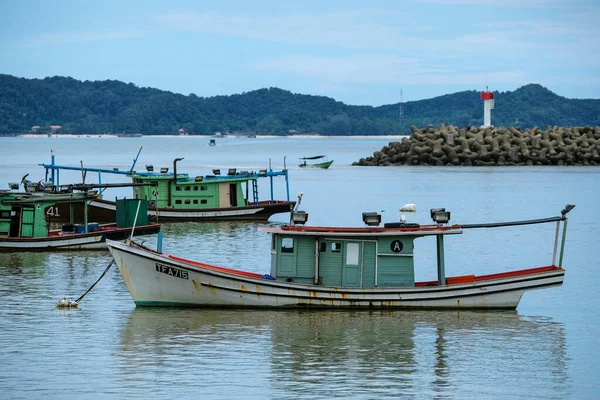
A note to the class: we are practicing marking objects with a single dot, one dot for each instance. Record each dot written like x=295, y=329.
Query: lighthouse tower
x=488, y=106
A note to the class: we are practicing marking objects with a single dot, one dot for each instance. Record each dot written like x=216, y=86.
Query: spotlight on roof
x=568, y=208
x=440, y=215
x=299, y=217
x=149, y=168
x=371, y=218
x=164, y=170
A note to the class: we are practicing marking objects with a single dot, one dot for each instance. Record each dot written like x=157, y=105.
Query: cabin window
x=352, y=250
x=178, y=188
x=287, y=245
x=177, y=201
x=195, y=188
x=187, y=202
x=336, y=247
x=188, y=188
x=203, y=201
x=323, y=247
x=203, y=187
x=195, y=201
x=5, y=214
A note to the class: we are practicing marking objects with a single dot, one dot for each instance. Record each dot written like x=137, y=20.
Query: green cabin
x=343, y=260
x=29, y=215
x=162, y=190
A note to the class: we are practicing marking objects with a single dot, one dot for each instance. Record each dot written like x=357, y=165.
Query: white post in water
x=488, y=106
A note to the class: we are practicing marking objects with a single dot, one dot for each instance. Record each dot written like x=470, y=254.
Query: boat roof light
x=371, y=218
x=164, y=170
x=231, y=171
x=567, y=208
x=217, y=171
x=149, y=168
x=299, y=217
x=440, y=215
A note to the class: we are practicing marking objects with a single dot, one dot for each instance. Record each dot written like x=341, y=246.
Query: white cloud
x=505, y=3
x=82, y=37
x=369, y=30
x=348, y=29
x=385, y=69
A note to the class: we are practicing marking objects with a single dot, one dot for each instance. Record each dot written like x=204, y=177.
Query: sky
x=357, y=52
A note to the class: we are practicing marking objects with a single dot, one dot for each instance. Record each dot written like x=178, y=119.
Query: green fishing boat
x=31, y=221
x=315, y=162
x=175, y=196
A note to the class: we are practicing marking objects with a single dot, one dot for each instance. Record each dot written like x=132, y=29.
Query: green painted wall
x=330, y=263
x=394, y=269
x=298, y=265
x=369, y=256
x=4, y=218
x=187, y=195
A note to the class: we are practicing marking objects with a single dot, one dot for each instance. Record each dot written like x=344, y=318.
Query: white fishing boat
x=363, y=267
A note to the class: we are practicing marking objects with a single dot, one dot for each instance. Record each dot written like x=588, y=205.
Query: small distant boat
x=328, y=267
x=26, y=219
x=212, y=142
x=315, y=162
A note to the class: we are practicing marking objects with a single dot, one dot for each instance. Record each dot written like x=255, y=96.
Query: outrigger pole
x=563, y=218
x=55, y=169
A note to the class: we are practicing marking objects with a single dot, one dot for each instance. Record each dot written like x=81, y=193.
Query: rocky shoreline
x=449, y=145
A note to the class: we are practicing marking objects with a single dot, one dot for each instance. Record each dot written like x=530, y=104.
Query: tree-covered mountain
x=92, y=107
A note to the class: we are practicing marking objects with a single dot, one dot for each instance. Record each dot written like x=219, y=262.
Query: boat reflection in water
x=376, y=354
x=13, y=263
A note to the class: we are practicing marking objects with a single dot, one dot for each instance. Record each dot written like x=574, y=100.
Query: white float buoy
x=408, y=208
x=66, y=303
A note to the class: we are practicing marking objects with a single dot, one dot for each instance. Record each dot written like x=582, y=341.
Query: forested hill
x=86, y=107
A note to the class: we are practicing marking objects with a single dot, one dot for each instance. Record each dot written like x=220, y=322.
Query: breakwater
x=449, y=145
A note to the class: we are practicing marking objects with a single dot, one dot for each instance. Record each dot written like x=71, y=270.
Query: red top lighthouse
x=488, y=106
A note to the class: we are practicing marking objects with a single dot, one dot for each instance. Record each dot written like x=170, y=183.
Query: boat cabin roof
x=423, y=230
x=185, y=178
x=313, y=157
x=17, y=198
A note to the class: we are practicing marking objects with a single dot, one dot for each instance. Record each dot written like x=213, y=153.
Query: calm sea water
x=108, y=348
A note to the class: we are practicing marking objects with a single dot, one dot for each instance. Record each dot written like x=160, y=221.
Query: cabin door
x=352, y=267
x=27, y=222
x=233, y=194
x=224, y=200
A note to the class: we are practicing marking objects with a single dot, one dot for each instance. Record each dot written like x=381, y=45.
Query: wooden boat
x=315, y=162
x=26, y=221
x=179, y=197
x=364, y=267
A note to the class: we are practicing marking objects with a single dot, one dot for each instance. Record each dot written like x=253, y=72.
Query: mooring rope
x=66, y=303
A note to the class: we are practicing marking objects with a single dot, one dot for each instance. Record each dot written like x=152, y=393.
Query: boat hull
x=155, y=279
x=83, y=241
x=103, y=210
x=323, y=165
